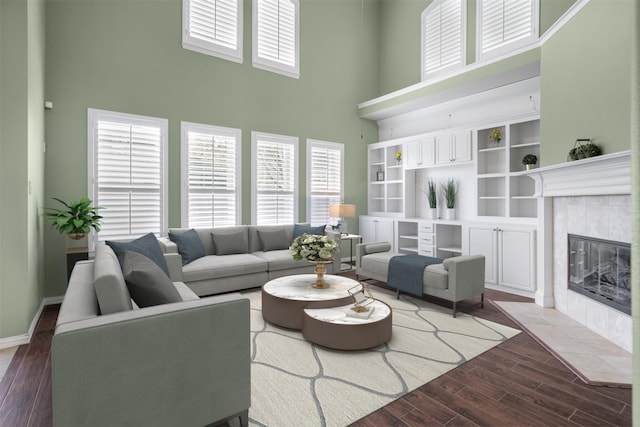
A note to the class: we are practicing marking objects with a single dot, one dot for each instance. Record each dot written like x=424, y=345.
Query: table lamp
x=342, y=211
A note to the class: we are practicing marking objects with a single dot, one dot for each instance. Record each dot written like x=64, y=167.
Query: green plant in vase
x=529, y=161
x=449, y=191
x=432, y=198
x=76, y=220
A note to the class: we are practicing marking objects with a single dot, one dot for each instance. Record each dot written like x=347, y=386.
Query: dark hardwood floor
x=517, y=383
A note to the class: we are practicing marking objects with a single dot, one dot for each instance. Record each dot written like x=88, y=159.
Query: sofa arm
x=185, y=363
x=174, y=262
x=363, y=249
x=466, y=275
x=167, y=246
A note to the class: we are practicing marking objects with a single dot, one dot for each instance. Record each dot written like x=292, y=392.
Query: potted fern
x=76, y=219
x=449, y=192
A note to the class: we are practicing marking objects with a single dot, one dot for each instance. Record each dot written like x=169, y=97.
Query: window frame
x=212, y=48
x=311, y=144
x=514, y=45
x=256, y=137
x=93, y=117
x=271, y=65
x=462, y=60
x=185, y=128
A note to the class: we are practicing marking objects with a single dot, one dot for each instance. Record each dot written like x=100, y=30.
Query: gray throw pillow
x=147, y=283
x=189, y=245
x=236, y=242
x=299, y=230
x=272, y=240
x=146, y=245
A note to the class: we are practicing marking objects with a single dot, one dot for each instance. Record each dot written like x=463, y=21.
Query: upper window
x=213, y=27
x=275, y=175
x=505, y=25
x=127, y=173
x=443, y=36
x=276, y=36
x=211, y=179
x=324, y=182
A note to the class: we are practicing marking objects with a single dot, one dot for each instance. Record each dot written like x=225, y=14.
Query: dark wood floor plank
x=12, y=370
x=585, y=419
x=547, y=417
x=42, y=415
x=16, y=410
x=417, y=418
x=399, y=407
x=436, y=410
x=477, y=384
x=460, y=421
x=382, y=417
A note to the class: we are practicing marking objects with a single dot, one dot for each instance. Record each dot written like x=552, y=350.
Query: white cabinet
x=420, y=153
x=453, y=148
x=387, y=186
x=509, y=254
x=376, y=229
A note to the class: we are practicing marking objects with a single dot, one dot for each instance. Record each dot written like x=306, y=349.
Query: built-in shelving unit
x=387, y=186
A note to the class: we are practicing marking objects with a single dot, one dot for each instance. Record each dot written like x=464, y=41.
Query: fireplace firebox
x=601, y=269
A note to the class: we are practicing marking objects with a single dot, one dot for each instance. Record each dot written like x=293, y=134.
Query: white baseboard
x=26, y=338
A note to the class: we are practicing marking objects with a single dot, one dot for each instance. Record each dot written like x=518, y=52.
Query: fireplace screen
x=601, y=269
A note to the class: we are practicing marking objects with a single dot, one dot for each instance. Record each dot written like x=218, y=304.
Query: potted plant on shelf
x=76, y=220
x=495, y=137
x=450, y=191
x=529, y=161
x=398, y=157
x=432, y=198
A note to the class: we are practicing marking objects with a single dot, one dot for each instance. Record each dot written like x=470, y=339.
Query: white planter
x=432, y=213
x=450, y=214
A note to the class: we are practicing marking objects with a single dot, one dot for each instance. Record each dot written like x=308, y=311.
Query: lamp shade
x=342, y=210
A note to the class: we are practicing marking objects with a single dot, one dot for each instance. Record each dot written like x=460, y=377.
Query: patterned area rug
x=296, y=383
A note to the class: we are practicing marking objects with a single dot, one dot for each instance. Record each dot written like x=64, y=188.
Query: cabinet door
x=428, y=151
x=516, y=251
x=412, y=154
x=385, y=231
x=461, y=146
x=443, y=150
x=482, y=241
x=367, y=229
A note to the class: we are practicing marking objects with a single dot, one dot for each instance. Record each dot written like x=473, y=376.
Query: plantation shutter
x=443, y=33
x=129, y=178
x=276, y=35
x=505, y=22
x=275, y=182
x=214, y=26
x=325, y=186
x=212, y=178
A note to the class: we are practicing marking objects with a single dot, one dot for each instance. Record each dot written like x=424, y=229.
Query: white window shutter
x=443, y=29
x=275, y=177
x=213, y=27
x=506, y=24
x=324, y=186
x=128, y=174
x=212, y=176
x=276, y=36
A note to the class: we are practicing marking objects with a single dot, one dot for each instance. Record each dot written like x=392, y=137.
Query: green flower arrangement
x=313, y=247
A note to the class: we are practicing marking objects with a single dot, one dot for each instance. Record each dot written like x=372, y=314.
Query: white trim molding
x=16, y=340
x=608, y=174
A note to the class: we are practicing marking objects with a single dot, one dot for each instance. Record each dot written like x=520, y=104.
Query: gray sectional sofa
x=243, y=257
x=180, y=363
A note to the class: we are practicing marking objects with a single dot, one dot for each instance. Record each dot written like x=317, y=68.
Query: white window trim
x=311, y=143
x=463, y=43
x=272, y=66
x=511, y=47
x=185, y=127
x=213, y=49
x=283, y=139
x=93, y=116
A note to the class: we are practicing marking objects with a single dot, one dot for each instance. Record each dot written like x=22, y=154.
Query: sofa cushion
x=377, y=262
x=436, y=276
x=372, y=248
x=146, y=245
x=147, y=283
x=216, y=266
x=272, y=240
x=111, y=290
x=300, y=229
x=189, y=245
x=231, y=242
x=282, y=260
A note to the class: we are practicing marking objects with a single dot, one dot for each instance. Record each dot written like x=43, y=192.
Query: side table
x=351, y=238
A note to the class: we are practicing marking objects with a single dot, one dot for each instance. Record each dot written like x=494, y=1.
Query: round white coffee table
x=336, y=328
x=284, y=298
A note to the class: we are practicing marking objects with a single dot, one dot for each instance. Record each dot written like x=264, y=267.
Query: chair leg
x=397, y=293
x=482, y=300
x=244, y=418
x=454, y=309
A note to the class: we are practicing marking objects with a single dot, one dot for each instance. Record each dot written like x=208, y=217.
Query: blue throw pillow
x=189, y=245
x=299, y=230
x=146, y=245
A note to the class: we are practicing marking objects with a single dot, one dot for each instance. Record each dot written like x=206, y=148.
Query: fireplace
x=601, y=270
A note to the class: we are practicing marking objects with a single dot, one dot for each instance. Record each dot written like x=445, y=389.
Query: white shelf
x=524, y=197
x=409, y=237
x=409, y=249
x=455, y=249
x=492, y=175
x=487, y=150
x=491, y=197
x=527, y=144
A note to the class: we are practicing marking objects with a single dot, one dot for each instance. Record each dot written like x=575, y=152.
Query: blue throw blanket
x=406, y=272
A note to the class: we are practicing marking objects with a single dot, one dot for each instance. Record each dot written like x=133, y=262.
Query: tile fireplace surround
x=590, y=197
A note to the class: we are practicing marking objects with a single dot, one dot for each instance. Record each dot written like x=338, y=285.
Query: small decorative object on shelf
x=495, y=137
x=399, y=157
x=529, y=161
x=317, y=249
x=583, y=148
x=380, y=175
x=450, y=191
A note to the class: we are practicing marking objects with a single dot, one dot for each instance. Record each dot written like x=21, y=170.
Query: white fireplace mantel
x=608, y=174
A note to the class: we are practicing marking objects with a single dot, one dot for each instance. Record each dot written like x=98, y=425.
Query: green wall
x=585, y=81
x=21, y=163
x=126, y=56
